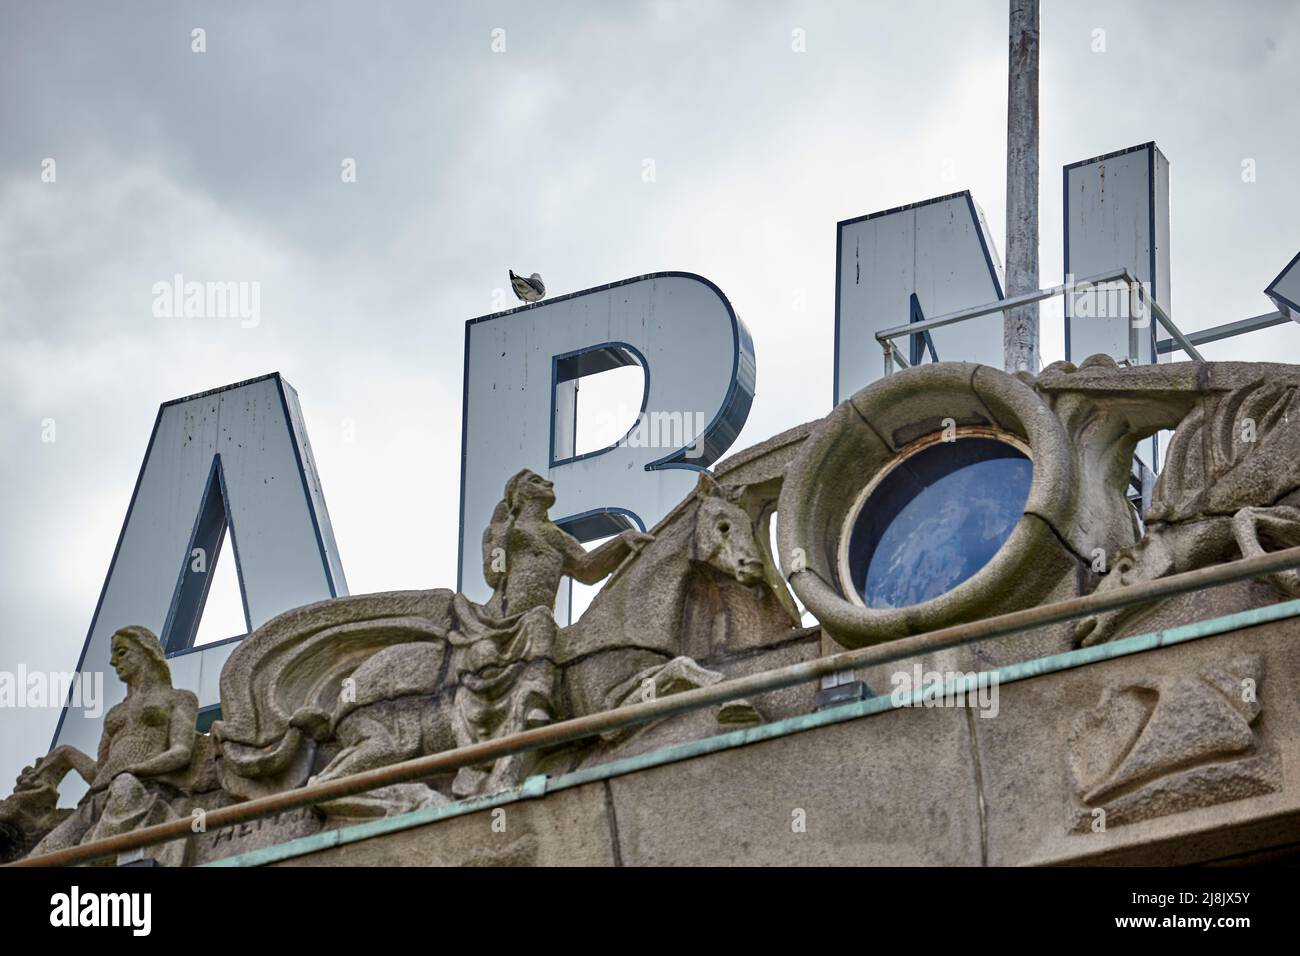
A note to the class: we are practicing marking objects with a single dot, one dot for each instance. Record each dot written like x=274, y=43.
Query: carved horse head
x=724, y=533
x=1145, y=561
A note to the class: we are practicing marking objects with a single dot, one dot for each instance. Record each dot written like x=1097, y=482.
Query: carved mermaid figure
x=150, y=756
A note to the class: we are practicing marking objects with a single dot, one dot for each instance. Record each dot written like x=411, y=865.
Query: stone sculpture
x=1170, y=743
x=356, y=683
x=346, y=685
x=364, y=682
x=684, y=598
x=150, y=760
x=1230, y=485
x=31, y=811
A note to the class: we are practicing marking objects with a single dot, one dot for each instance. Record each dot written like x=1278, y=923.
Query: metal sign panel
x=905, y=264
x=232, y=464
x=1285, y=290
x=1116, y=216
x=698, y=361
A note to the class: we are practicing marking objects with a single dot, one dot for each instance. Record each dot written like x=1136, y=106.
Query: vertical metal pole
x=1020, y=325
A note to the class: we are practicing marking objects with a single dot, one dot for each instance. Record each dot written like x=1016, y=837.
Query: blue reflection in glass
x=937, y=518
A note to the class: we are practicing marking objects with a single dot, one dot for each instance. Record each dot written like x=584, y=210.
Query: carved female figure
x=428, y=671
x=509, y=672
x=147, y=753
x=525, y=554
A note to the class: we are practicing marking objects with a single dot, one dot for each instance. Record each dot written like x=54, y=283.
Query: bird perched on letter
x=531, y=289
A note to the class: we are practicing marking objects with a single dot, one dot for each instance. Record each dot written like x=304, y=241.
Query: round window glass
x=934, y=518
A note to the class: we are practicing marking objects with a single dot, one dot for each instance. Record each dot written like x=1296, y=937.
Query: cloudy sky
x=225, y=165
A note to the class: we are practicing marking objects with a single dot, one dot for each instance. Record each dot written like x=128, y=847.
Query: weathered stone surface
x=944, y=785
x=1157, y=741
x=765, y=461
x=1039, y=641
x=894, y=789
x=866, y=433
x=356, y=683
x=1197, y=606
x=1166, y=744
x=789, y=701
x=420, y=672
x=1230, y=485
x=567, y=828
x=150, y=758
x=31, y=811
x=254, y=835
x=1181, y=802
x=694, y=725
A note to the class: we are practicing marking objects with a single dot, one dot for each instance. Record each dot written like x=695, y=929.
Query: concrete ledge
x=831, y=796
x=867, y=783
x=568, y=828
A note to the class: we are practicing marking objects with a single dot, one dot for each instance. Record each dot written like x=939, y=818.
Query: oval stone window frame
x=921, y=444
x=865, y=434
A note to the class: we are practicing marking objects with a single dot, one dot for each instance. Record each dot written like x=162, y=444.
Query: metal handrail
x=1227, y=330
x=579, y=728
x=892, y=355
x=1174, y=331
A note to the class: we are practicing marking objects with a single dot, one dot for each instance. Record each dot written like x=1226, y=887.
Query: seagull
x=531, y=289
